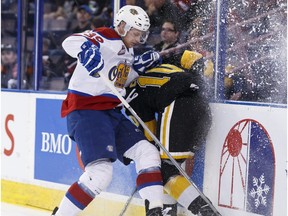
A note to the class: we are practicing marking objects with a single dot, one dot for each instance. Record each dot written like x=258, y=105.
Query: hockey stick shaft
x=128, y=202
x=181, y=170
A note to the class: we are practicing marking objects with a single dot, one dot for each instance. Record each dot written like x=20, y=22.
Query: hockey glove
x=146, y=61
x=91, y=58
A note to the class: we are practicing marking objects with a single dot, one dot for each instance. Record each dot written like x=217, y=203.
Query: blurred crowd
x=256, y=41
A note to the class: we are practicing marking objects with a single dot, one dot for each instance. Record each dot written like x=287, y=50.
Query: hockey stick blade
x=181, y=170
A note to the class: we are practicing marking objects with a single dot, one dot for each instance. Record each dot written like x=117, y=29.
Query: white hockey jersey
x=87, y=92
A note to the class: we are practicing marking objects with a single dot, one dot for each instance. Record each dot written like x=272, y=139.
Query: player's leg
x=181, y=190
x=96, y=178
x=132, y=144
x=90, y=134
x=180, y=131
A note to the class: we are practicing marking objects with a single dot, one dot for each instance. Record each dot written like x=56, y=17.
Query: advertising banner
x=245, y=157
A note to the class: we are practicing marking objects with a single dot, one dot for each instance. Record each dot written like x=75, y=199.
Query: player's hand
x=91, y=58
x=147, y=61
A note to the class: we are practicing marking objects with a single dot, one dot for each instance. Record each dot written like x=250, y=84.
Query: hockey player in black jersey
x=178, y=97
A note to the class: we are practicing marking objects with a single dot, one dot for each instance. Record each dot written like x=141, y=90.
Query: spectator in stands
x=204, y=47
x=98, y=22
x=101, y=5
x=187, y=10
x=48, y=67
x=130, y=2
x=84, y=16
x=169, y=38
x=267, y=50
x=239, y=84
x=8, y=66
x=158, y=11
x=106, y=16
x=196, y=31
x=55, y=17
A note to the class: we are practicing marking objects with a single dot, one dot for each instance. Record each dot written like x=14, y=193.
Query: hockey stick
x=181, y=170
x=128, y=202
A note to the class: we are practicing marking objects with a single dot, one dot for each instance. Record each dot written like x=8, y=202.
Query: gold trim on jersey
x=165, y=68
x=165, y=127
x=144, y=81
x=178, y=155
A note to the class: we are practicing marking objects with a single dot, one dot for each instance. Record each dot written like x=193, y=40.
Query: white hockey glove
x=146, y=61
x=91, y=58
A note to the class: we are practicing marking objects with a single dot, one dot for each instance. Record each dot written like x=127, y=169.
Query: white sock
x=154, y=194
x=66, y=208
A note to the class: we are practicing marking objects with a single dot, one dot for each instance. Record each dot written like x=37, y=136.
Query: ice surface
x=16, y=210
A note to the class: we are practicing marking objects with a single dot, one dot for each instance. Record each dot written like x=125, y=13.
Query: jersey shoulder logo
x=122, y=50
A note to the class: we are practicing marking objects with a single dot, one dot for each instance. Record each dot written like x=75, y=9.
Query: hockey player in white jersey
x=103, y=134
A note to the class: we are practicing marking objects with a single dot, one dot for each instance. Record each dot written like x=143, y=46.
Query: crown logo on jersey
x=122, y=51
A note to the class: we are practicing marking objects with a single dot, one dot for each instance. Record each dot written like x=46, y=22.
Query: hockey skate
x=170, y=209
x=54, y=211
x=200, y=207
x=154, y=212
x=207, y=211
x=158, y=212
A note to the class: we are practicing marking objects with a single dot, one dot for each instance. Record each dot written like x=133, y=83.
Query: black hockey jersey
x=177, y=97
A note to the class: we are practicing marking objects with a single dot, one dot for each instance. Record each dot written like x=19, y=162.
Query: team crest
x=133, y=11
x=122, y=74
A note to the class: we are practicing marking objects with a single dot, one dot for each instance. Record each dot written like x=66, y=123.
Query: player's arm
x=80, y=47
x=178, y=84
x=72, y=45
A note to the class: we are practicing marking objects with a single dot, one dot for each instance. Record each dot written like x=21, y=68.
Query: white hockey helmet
x=134, y=17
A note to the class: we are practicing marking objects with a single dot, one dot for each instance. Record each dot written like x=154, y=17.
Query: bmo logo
x=56, y=155
x=56, y=143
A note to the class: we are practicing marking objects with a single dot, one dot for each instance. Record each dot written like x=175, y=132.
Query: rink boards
x=243, y=169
